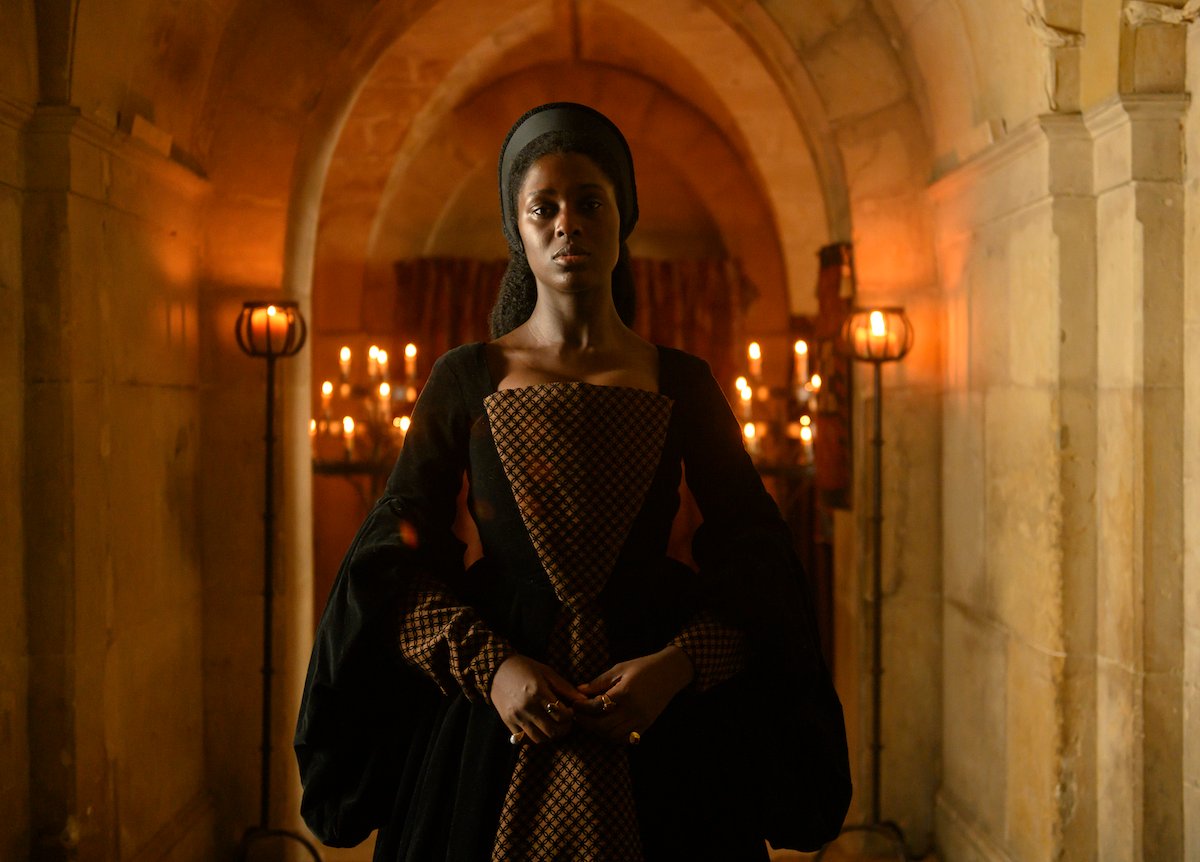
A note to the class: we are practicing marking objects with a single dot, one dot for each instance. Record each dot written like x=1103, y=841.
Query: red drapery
x=439, y=302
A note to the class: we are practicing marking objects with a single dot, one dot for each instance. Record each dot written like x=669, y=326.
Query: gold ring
x=516, y=738
x=552, y=709
x=634, y=738
x=606, y=703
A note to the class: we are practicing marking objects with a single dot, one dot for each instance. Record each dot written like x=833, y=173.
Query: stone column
x=14, y=646
x=1015, y=244
x=1140, y=480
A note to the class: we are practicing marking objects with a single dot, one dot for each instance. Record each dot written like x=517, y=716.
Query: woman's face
x=568, y=220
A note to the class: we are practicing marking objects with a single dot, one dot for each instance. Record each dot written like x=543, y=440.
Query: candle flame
x=805, y=420
x=754, y=351
x=741, y=384
x=404, y=423
x=747, y=394
x=270, y=311
x=373, y=353
x=806, y=433
x=327, y=388
x=816, y=381
x=382, y=356
x=347, y=425
x=749, y=430
x=344, y=354
x=878, y=324
x=384, y=390
x=312, y=426
x=410, y=350
x=801, y=347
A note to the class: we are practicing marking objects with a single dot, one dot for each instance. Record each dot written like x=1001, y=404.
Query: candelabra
x=365, y=440
x=778, y=422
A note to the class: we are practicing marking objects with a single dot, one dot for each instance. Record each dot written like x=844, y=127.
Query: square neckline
x=493, y=388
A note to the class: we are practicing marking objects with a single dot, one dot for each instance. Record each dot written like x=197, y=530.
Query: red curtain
x=439, y=302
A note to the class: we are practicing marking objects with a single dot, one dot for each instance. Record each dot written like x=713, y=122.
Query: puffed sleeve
x=797, y=761
x=438, y=634
x=364, y=701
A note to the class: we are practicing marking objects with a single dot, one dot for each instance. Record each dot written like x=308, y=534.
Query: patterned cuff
x=482, y=670
x=717, y=651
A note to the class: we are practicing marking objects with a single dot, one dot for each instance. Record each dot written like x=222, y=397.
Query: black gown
x=425, y=758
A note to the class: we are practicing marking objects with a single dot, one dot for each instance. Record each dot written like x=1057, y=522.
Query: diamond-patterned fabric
x=717, y=650
x=580, y=459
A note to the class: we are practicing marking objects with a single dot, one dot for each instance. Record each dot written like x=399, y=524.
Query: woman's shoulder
x=466, y=365
x=680, y=369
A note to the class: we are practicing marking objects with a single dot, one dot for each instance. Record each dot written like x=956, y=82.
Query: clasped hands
x=534, y=700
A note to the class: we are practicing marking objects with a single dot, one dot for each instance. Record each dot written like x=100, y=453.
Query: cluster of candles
x=805, y=389
x=379, y=397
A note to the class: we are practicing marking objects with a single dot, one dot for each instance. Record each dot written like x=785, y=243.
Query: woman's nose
x=566, y=224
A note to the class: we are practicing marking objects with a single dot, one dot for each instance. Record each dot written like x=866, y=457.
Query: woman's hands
x=522, y=689
x=637, y=692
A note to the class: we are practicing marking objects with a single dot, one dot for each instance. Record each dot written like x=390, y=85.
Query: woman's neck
x=574, y=321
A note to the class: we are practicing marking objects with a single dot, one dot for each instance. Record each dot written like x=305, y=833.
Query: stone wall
x=112, y=562
x=1063, y=477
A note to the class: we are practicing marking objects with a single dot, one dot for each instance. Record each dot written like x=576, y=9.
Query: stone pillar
x=1015, y=244
x=14, y=646
x=110, y=558
x=1140, y=476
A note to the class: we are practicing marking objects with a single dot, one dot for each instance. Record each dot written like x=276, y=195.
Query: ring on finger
x=634, y=737
x=517, y=738
x=606, y=703
x=552, y=709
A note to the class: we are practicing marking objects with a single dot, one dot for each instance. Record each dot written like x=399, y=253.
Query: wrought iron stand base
x=259, y=833
x=888, y=830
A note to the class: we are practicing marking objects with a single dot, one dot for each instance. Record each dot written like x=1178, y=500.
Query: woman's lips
x=571, y=255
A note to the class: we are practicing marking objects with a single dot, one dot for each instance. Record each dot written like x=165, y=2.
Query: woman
x=576, y=694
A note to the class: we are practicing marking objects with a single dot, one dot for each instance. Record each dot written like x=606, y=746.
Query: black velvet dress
x=395, y=730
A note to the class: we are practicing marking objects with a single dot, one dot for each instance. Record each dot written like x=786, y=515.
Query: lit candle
x=410, y=361
x=401, y=424
x=801, y=368
x=268, y=327
x=879, y=334
x=814, y=387
x=385, y=400
x=373, y=362
x=754, y=352
x=815, y=383
x=806, y=443
x=383, y=364
x=344, y=363
x=326, y=398
x=348, y=435
x=747, y=399
x=750, y=433
x=740, y=384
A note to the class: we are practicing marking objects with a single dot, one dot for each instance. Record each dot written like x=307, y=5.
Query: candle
x=750, y=433
x=373, y=362
x=814, y=387
x=383, y=364
x=312, y=434
x=806, y=443
x=410, y=361
x=326, y=398
x=754, y=352
x=268, y=327
x=385, y=400
x=348, y=435
x=747, y=397
x=344, y=363
x=879, y=334
x=800, y=371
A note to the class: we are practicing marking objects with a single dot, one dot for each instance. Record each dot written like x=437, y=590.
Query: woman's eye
x=541, y=210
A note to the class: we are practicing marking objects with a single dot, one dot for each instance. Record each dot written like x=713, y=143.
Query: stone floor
x=852, y=848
